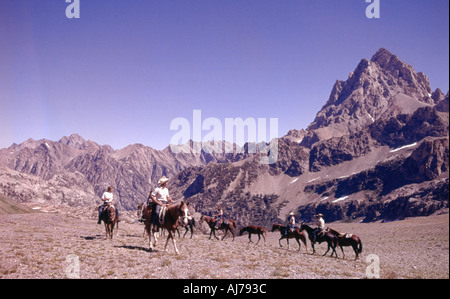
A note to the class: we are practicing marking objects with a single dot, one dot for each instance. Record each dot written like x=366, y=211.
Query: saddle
x=343, y=235
x=105, y=206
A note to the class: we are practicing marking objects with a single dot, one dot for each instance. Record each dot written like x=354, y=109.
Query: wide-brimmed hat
x=162, y=180
x=319, y=215
x=291, y=214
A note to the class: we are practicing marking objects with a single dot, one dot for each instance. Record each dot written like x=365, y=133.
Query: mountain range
x=377, y=150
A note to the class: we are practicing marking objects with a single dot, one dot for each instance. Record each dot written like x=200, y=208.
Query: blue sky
x=122, y=72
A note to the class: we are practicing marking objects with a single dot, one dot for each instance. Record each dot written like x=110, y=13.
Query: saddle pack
x=162, y=214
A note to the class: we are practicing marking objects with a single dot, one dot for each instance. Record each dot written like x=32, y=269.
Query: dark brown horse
x=252, y=229
x=348, y=240
x=109, y=217
x=325, y=236
x=230, y=226
x=169, y=222
x=189, y=226
x=297, y=234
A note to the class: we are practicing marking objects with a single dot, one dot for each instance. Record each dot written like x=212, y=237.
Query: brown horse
x=252, y=229
x=169, y=222
x=298, y=235
x=109, y=217
x=189, y=227
x=230, y=226
x=325, y=236
x=348, y=240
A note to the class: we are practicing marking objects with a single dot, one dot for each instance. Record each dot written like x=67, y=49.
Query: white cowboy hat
x=319, y=215
x=162, y=180
x=291, y=214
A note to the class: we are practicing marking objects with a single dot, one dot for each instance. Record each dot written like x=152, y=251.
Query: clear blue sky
x=122, y=72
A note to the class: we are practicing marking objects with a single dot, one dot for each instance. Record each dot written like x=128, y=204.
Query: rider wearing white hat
x=160, y=196
x=318, y=231
x=291, y=223
x=320, y=222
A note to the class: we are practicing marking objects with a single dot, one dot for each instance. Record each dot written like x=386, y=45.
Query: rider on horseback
x=107, y=199
x=220, y=218
x=291, y=224
x=160, y=197
x=320, y=226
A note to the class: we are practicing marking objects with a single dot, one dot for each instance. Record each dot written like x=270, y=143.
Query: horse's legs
x=298, y=242
x=226, y=232
x=155, y=235
x=167, y=241
x=106, y=230
x=355, y=249
x=304, y=242
x=250, y=238
x=148, y=230
x=342, y=249
x=328, y=249
x=171, y=236
x=333, y=247
x=259, y=239
x=213, y=232
x=279, y=241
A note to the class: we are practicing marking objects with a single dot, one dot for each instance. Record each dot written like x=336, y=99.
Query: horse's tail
x=359, y=246
x=233, y=225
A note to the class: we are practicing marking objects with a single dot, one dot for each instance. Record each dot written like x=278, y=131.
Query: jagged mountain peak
x=383, y=56
x=382, y=87
x=73, y=140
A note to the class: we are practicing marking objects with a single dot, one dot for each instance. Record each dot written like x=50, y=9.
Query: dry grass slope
x=41, y=246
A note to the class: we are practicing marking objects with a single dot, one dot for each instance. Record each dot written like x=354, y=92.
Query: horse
x=324, y=236
x=109, y=217
x=189, y=227
x=230, y=226
x=169, y=222
x=251, y=229
x=348, y=240
x=298, y=235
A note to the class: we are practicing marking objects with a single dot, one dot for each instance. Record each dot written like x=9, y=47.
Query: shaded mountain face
x=378, y=149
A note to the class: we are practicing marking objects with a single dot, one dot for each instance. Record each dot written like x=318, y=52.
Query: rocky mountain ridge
x=75, y=172
x=377, y=150
x=383, y=131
